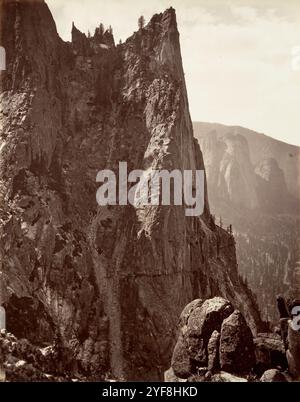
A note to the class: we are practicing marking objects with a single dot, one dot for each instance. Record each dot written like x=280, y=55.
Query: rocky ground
x=22, y=361
x=214, y=344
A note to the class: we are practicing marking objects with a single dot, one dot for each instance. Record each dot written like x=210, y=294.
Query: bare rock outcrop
x=213, y=336
x=215, y=344
x=236, y=345
x=269, y=352
x=203, y=321
x=293, y=351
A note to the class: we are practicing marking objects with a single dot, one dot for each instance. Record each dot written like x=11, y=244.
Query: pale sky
x=237, y=54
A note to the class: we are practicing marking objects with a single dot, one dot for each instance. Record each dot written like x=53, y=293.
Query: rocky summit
x=103, y=286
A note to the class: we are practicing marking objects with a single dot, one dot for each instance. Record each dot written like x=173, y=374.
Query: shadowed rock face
x=107, y=282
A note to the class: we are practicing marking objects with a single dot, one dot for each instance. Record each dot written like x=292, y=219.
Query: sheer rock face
x=109, y=282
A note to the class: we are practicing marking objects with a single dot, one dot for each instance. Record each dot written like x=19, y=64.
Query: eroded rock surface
x=236, y=345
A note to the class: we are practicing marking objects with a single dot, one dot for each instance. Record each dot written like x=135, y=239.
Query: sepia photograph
x=149, y=194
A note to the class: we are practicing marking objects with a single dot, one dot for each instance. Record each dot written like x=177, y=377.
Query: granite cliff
x=105, y=285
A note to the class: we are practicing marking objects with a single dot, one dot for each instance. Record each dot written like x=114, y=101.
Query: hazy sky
x=237, y=54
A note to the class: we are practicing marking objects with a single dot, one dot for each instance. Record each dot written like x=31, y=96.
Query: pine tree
x=141, y=22
x=101, y=29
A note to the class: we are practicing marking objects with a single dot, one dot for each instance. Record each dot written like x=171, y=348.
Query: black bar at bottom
x=132, y=391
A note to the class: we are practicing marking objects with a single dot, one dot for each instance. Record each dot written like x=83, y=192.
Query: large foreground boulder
x=203, y=321
x=198, y=321
x=236, y=345
x=212, y=337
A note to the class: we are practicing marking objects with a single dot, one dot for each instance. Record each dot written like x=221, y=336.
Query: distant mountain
x=254, y=184
x=250, y=169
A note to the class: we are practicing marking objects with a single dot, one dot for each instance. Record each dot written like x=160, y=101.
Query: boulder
x=213, y=351
x=293, y=353
x=236, y=345
x=273, y=375
x=203, y=321
x=181, y=362
x=269, y=352
x=185, y=315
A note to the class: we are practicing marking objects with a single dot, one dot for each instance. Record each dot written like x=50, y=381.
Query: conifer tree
x=141, y=22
